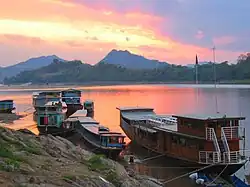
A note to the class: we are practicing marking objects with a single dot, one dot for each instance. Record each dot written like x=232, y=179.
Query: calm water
x=166, y=99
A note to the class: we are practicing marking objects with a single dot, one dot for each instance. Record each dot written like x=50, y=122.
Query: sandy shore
x=9, y=118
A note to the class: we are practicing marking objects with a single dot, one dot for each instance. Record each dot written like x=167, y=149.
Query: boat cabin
x=219, y=135
x=41, y=98
x=6, y=106
x=110, y=139
x=89, y=105
x=51, y=114
x=71, y=96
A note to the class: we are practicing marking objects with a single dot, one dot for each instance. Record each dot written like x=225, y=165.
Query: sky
x=168, y=30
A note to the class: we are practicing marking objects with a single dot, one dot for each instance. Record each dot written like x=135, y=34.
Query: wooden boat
x=89, y=106
x=51, y=117
x=6, y=106
x=99, y=138
x=72, y=98
x=41, y=98
x=199, y=141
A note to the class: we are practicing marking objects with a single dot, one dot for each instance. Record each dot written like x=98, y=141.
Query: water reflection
x=168, y=99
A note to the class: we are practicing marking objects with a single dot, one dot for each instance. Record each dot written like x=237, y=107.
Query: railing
x=232, y=157
x=209, y=157
x=225, y=143
x=232, y=132
x=210, y=135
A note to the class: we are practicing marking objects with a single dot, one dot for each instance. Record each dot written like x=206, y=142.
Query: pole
x=196, y=73
x=214, y=67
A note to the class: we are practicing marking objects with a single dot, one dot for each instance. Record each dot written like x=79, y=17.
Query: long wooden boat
x=72, y=98
x=51, y=118
x=99, y=138
x=212, y=142
x=7, y=106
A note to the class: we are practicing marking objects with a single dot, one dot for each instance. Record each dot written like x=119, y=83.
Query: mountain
x=131, y=61
x=31, y=64
x=200, y=63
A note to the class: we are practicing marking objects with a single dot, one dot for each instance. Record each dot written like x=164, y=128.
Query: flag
x=196, y=61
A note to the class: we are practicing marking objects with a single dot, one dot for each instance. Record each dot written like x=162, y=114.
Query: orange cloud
x=73, y=30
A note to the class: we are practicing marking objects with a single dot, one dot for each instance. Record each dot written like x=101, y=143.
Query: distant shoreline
x=113, y=83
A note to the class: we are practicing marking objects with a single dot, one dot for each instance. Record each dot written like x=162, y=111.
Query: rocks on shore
x=29, y=160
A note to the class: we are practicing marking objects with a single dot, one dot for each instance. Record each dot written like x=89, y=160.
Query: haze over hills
x=131, y=61
x=31, y=64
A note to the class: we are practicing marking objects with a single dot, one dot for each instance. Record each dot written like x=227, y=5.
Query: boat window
x=121, y=140
x=175, y=139
x=182, y=141
x=113, y=139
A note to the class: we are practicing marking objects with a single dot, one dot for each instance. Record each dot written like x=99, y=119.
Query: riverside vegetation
x=27, y=160
x=78, y=72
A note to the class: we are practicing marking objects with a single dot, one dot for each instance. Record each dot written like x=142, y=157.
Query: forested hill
x=77, y=72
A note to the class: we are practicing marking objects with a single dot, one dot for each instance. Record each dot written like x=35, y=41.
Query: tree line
x=78, y=72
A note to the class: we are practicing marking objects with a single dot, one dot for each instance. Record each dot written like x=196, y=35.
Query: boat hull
x=72, y=108
x=53, y=130
x=7, y=111
x=93, y=144
x=229, y=170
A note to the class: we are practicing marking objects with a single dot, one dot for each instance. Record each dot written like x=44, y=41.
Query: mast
x=196, y=70
x=196, y=80
x=214, y=68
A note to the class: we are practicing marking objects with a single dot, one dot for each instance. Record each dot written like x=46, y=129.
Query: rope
x=217, y=176
x=152, y=157
x=170, y=180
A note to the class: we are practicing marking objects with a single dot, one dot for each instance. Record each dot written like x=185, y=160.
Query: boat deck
x=147, y=115
x=83, y=131
x=79, y=113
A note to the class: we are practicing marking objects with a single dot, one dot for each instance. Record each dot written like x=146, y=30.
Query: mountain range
x=131, y=61
x=31, y=64
x=115, y=57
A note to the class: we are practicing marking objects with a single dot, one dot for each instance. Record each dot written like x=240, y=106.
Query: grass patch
x=33, y=150
x=69, y=177
x=113, y=178
x=96, y=163
x=10, y=165
x=7, y=153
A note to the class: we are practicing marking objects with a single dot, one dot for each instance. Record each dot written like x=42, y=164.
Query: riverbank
x=29, y=160
x=9, y=118
x=91, y=85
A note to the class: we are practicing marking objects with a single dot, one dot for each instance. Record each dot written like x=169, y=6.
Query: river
x=166, y=99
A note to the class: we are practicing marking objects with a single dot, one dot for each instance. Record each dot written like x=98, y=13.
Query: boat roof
x=112, y=134
x=71, y=119
x=94, y=128
x=71, y=90
x=145, y=129
x=7, y=100
x=79, y=113
x=87, y=120
x=88, y=101
x=134, y=108
x=209, y=117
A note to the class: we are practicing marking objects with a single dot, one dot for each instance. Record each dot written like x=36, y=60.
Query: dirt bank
x=29, y=160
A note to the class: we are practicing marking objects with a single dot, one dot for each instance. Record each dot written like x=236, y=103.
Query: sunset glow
x=88, y=30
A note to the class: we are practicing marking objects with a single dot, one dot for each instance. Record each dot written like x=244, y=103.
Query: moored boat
x=89, y=105
x=50, y=118
x=41, y=98
x=209, y=142
x=99, y=138
x=7, y=106
x=72, y=98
